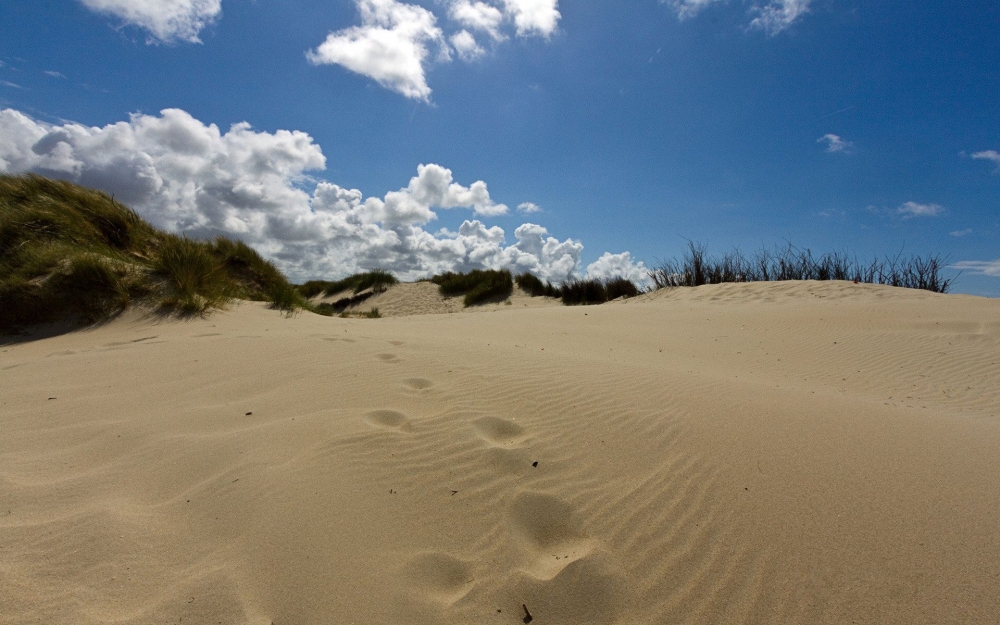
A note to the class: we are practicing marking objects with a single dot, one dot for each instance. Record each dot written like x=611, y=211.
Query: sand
x=768, y=453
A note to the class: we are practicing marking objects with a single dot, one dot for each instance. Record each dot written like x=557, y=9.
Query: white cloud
x=836, y=144
x=979, y=267
x=618, y=266
x=778, y=15
x=915, y=209
x=186, y=176
x=478, y=16
x=466, y=46
x=166, y=21
x=689, y=8
x=12, y=85
x=396, y=42
x=961, y=233
x=534, y=17
x=528, y=207
x=989, y=155
x=391, y=46
x=54, y=74
x=772, y=16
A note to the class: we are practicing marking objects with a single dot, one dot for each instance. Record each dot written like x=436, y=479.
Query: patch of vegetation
x=371, y=314
x=533, y=286
x=593, y=291
x=478, y=286
x=696, y=268
x=71, y=253
x=378, y=280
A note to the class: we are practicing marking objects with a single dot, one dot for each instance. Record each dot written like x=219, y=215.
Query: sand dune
x=424, y=298
x=765, y=453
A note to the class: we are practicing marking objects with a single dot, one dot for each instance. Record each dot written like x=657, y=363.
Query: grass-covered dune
x=72, y=253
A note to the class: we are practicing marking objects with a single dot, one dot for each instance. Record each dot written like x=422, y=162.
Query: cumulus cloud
x=166, y=21
x=478, y=16
x=772, y=16
x=396, y=42
x=618, y=265
x=979, y=267
x=466, y=46
x=390, y=47
x=835, y=144
x=534, y=17
x=989, y=155
x=528, y=207
x=189, y=177
x=915, y=209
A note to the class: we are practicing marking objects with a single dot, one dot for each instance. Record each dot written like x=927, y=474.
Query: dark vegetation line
x=696, y=268
x=377, y=280
x=68, y=252
x=478, y=286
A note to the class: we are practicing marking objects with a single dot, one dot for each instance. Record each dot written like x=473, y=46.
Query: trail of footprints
x=553, y=565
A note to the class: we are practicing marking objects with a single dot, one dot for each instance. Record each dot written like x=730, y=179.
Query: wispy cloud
x=979, y=267
x=771, y=16
x=989, y=155
x=835, y=144
x=778, y=15
x=166, y=21
x=528, y=207
x=12, y=85
x=916, y=209
x=54, y=74
x=961, y=233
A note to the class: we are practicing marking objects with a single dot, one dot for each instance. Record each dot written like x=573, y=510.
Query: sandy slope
x=775, y=453
x=424, y=298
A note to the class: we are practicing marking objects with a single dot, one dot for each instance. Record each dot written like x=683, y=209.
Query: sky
x=566, y=138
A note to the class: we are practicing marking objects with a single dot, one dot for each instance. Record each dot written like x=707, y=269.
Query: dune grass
x=594, y=291
x=378, y=280
x=373, y=313
x=71, y=253
x=478, y=286
x=533, y=286
x=696, y=268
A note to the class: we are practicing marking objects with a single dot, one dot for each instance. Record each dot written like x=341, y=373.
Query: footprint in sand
x=418, y=384
x=389, y=420
x=439, y=576
x=565, y=578
x=499, y=432
x=545, y=528
x=390, y=358
x=397, y=343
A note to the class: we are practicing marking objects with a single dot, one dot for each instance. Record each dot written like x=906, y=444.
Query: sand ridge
x=768, y=453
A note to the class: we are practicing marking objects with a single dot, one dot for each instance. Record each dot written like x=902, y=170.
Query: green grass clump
x=478, y=286
x=696, y=268
x=595, y=291
x=370, y=314
x=533, y=286
x=377, y=280
x=72, y=253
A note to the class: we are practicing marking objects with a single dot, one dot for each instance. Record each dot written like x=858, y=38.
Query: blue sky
x=617, y=126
